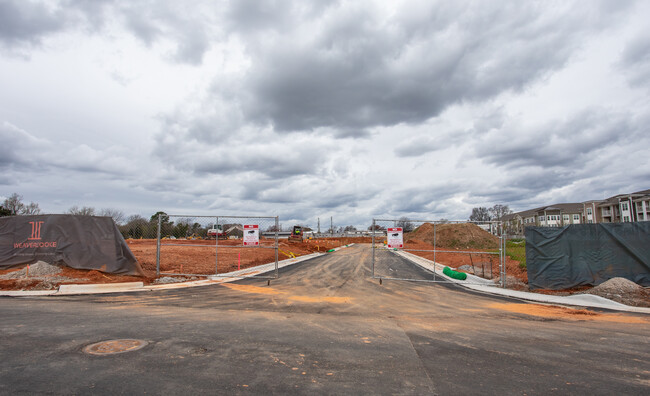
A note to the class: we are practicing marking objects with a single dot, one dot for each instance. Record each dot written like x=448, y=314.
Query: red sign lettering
x=36, y=230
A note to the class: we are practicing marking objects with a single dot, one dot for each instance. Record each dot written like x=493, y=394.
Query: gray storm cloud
x=324, y=108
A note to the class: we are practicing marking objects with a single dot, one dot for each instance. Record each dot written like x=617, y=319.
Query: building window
x=588, y=211
x=576, y=217
x=624, y=206
x=541, y=219
x=626, y=218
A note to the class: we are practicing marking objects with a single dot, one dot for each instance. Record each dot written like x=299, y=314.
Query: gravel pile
x=36, y=270
x=624, y=291
x=172, y=279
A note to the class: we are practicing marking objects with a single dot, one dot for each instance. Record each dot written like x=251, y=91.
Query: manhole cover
x=112, y=347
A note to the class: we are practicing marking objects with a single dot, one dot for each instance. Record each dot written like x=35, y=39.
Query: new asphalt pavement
x=323, y=327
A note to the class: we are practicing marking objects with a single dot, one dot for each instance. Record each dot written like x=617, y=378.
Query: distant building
x=617, y=209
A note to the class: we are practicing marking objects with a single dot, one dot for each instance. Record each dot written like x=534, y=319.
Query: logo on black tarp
x=37, y=227
x=36, y=230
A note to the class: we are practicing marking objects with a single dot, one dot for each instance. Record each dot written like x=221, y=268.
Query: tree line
x=495, y=213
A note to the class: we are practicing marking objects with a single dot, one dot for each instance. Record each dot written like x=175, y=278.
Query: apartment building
x=556, y=215
x=624, y=208
x=616, y=209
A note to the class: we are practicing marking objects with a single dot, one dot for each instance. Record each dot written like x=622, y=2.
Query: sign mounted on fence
x=251, y=235
x=395, y=237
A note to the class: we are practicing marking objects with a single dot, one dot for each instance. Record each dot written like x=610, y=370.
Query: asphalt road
x=323, y=327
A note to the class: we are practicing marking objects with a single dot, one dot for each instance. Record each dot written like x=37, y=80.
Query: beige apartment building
x=617, y=209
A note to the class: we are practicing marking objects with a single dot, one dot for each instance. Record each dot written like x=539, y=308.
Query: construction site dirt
x=177, y=256
x=199, y=257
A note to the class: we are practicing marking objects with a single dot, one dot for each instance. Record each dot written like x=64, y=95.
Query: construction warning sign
x=395, y=238
x=251, y=235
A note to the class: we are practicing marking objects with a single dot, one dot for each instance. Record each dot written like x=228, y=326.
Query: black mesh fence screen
x=587, y=254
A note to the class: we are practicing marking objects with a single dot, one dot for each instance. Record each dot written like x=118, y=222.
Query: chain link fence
x=475, y=248
x=179, y=245
x=515, y=250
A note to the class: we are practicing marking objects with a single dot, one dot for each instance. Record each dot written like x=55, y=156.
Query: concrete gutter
x=488, y=286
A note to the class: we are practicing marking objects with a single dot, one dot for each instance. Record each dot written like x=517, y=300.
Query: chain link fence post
x=158, y=246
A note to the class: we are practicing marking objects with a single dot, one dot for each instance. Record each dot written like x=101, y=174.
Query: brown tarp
x=81, y=242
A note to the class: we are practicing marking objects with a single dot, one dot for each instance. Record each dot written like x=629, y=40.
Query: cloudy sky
x=307, y=109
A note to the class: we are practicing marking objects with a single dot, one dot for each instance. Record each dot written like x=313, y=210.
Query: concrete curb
x=489, y=287
x=99, y=288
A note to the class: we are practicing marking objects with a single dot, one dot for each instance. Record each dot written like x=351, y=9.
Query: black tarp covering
x=587, y=254
x=82, y=242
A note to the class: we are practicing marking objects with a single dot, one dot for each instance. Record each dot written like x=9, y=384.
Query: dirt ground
x=177, y=256
x=198, y=257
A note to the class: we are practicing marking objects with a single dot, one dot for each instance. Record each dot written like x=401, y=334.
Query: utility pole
x=331, y=225
x=319, y=225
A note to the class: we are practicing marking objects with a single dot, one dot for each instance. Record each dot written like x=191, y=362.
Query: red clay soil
x=199, y=257
x=180, y=256
x=463, y=236
x=76, y=277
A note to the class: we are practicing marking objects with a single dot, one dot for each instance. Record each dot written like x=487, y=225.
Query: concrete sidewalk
x=488, y=286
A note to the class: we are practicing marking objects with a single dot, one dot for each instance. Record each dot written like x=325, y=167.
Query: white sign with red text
x=251, y=235
x=395, y=239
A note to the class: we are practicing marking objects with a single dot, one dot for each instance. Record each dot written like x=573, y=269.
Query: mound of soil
x=454, y=236
x=623, y=291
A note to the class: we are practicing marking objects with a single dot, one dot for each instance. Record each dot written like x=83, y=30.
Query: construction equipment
x=296, y=234
x=216, y=232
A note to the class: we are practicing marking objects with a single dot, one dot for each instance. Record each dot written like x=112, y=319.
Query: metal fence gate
x=418, y=250
x=217, y=246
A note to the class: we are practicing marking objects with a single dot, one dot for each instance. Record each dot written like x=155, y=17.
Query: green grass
x=516, y=250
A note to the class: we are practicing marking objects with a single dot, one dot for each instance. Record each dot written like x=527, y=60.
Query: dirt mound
x=624, y=291
x=454, y=236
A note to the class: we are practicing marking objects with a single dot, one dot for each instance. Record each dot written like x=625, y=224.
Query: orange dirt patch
x=251, y=289
x=271, y=291
x=546, y=311
x=200, y=256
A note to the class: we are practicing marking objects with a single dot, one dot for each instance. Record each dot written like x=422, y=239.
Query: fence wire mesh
x=215, y=245
x=408, y=249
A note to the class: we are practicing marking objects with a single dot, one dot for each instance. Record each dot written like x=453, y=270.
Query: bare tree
x=82, y=211
x=480, y=214
x=31, y=209
x=117, y=215
x=405, y=223
x=498, y=211
x=14, y=206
